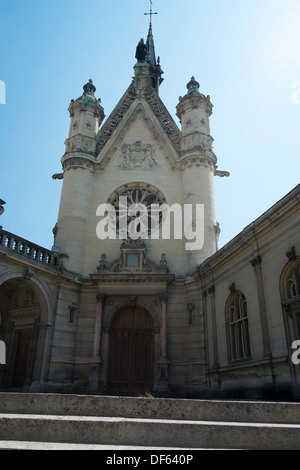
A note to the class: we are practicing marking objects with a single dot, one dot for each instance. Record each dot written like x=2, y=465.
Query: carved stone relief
x=137, y=155
x=76, y=162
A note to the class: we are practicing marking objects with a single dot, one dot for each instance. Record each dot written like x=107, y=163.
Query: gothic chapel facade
x=131, y=315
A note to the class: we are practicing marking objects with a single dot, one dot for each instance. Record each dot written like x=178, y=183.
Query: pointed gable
x=118, y=115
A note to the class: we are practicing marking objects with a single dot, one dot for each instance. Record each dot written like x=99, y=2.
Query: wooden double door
x=131, y=352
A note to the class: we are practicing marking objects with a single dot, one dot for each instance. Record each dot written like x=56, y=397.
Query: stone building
x=169, y=313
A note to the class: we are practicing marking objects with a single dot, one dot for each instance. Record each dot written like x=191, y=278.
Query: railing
x=29, y=250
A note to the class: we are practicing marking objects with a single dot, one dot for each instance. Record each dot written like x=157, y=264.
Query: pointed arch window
x=237, y=326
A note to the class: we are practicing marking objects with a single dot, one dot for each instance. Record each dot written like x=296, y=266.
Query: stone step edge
x=143, y=432
x=38, y=445
x=95, y=405
x=114, y=419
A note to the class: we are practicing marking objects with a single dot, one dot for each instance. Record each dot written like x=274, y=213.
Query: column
x=163, y=363
x=98, y=326
x=256, y=263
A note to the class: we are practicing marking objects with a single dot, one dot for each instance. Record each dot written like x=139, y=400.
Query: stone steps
x=146, y=422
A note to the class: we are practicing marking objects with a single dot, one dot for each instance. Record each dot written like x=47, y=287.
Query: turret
x=198, y=163
x=86, y=115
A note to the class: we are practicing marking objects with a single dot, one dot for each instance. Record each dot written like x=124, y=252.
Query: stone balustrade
x=28, y=249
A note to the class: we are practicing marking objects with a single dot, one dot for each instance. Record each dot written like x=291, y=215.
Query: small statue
x=163, y=260
x=141, y=51
x=102, y=263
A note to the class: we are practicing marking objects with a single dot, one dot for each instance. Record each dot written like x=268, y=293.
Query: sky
x=244, y=53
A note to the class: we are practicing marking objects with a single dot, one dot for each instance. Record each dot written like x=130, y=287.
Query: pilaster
x=163, y=363
x=95, y=377
x=256, y=263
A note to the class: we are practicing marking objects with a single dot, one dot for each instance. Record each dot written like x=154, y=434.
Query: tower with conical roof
x=86, y=115
x=199, y=164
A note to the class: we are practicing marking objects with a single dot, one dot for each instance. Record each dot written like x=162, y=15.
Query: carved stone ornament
x=58, y=176
x=138, y=155
x=163, y=260
x=73, y=304
x=166, y=121
x=256, y=261
x=76, y=162
x=291, y=254
x=232, y=288
x=198, y=161
x=133, y=259
x=103, y=265
x=1, y=206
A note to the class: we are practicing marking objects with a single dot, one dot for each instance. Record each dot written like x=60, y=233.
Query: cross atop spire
x=151, y=12
x=145, y=53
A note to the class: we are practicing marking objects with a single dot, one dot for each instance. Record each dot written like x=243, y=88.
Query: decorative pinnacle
x=193, y=85
x=89, y=87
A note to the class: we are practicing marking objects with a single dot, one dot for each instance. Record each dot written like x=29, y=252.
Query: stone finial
x=89, y=87
x=1, y=206
x=193, y=85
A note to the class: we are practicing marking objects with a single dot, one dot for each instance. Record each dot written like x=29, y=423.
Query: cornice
x=260, y=225
x=74, y=161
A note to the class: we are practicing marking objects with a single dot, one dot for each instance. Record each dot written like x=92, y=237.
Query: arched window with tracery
x=291, y=281
x=237, y=327
x=290, y=294
x=137, y=194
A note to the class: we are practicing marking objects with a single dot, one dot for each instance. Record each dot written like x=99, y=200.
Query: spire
x=151, y=58
x=154, y=65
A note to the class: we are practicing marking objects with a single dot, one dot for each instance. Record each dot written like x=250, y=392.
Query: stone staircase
x=27, y=420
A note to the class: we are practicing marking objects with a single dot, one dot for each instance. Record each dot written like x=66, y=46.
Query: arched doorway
x=21, y=307
x=131, y=351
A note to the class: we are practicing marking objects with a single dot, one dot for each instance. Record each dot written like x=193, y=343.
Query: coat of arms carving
x=138, y=155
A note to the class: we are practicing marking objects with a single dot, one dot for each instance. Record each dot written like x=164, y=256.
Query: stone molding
x=207, y=162
x=77, y=162
x=143, y=264
x=115, y=118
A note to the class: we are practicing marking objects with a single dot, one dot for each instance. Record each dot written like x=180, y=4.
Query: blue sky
x=244, y=53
